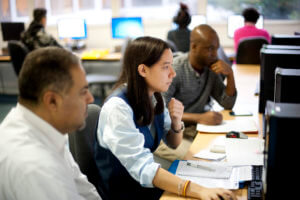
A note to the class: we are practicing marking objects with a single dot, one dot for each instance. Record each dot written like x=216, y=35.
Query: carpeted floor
x=6, y=103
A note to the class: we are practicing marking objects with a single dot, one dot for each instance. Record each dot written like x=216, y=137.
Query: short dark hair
x=183, y=17
x=251, y=15
x=46, y=68
x=147, y=51
x=39, y=14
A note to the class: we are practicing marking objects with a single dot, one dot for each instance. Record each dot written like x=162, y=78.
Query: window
x=5, y=10
x=59, y=7
x=86, y=4
x=220, y=9
x=160, y=9
x=94, y=11
x=22, y=8
x=39, y=4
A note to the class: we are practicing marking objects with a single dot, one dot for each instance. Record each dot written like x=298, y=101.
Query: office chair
x=17, y=51
x=248, y=51
x=81, y=145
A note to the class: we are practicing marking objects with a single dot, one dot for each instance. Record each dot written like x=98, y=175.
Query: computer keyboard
x=255, y=188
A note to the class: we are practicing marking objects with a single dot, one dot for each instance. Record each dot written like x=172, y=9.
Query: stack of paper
x=213, y=174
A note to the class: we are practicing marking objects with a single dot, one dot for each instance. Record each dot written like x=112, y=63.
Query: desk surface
x=115, y=56
x=246, y=77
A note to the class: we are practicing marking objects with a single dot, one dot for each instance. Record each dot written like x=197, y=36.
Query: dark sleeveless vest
x=117, y=182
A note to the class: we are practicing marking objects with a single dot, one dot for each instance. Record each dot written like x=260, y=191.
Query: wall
x=99, y=36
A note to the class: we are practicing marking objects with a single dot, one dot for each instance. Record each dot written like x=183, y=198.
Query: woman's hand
x=176, y=111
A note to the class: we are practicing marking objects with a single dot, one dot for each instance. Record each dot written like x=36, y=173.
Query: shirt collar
x=46, y=131
x=195, y=72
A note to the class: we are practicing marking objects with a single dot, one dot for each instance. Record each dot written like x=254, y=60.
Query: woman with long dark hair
x=132, y=123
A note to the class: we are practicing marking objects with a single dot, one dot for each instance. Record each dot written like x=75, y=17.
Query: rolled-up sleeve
x=219, y=94
x=118, y=133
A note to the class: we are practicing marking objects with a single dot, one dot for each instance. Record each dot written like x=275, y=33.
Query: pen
x=199, y=166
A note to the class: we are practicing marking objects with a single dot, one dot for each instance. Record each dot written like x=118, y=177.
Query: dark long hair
x=147, y=51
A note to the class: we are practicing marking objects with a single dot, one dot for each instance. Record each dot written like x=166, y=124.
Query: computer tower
x=282, y=136
x=286, y=82
x=281, y=39
x=270, y=59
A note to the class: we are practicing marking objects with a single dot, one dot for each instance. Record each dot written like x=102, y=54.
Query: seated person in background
x=198, y=78
x=251, y=16
x=181, y=35
x=133, y=121
x=35, y=36
x=35, y=161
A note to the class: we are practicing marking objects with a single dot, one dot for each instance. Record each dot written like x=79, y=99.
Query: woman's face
x=160, y=75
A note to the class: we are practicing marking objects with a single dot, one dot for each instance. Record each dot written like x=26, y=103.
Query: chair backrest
x=17, y=51
x=248, y=51
x=81, y=145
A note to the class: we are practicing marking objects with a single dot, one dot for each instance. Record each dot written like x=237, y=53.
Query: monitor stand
x=78, y=45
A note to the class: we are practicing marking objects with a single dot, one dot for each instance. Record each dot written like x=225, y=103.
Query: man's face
x=72, y=110
x=205, y=51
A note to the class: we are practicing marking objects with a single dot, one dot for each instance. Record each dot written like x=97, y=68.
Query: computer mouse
x=236, y=134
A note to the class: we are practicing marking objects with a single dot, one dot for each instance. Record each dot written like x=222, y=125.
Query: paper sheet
x=230, y=183
x=220, y=170
x=245, y=124
x=244, y=151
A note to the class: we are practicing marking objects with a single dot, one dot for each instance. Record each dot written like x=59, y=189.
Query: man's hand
x=220, y=67
x=176, y=111
x=211, y=118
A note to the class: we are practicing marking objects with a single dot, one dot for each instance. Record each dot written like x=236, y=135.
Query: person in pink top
x=251, y=16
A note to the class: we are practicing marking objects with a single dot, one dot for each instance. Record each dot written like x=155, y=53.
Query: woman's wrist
x=178, y=128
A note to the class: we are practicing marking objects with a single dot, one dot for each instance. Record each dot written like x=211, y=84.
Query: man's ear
x=142, y=70
x=51, y=100
x=193, y=45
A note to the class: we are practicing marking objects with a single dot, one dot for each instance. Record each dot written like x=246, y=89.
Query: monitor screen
x=74, y=28
x=123, y=27
x=12, y=30
x=237, y=21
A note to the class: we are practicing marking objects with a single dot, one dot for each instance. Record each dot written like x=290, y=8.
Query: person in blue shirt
x=133, y=121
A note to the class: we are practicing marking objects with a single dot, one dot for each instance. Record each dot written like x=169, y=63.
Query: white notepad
x=245, y=124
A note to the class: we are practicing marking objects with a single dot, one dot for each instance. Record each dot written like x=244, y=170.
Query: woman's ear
x=142, y=70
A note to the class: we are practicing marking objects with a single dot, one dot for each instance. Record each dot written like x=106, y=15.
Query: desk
x=115, y=56
x=109, y=65
x=246, y=77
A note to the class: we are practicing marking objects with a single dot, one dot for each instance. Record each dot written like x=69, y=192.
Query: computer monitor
x=12, y=30
x=281, y=128
x=282, y=39
x=270, y=59
x=73, y=28
x=237, y=21
x=123, y=27
x=285, y=79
